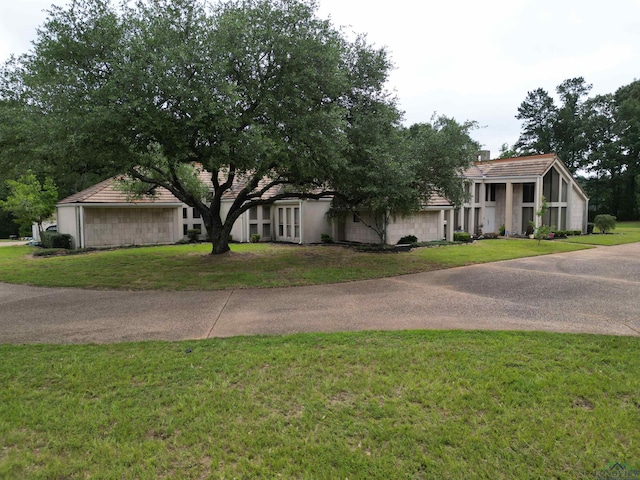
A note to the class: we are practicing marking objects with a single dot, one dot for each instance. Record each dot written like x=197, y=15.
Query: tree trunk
x=219, y=239
x=218, y=232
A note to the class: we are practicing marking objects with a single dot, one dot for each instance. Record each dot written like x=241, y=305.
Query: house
x=509, y=192
x=501, y=192
x=105, y=216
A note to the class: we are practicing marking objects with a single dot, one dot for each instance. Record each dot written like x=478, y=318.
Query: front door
x=489, y=220
x=289, y=224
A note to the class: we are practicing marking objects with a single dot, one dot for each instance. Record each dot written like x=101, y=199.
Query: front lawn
x=190, y=267
x=426, y=405
x=625, y=232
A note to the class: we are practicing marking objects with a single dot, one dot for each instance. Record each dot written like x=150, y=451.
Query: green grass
x=625, y=232
x=445, y=405
x=190, y=267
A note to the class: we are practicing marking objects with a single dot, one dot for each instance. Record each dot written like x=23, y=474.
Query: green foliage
x=255, y=238
x=543, y=231
x=193, y=234
x=502, y=229
x=408, y=239
x=30, y=201
x=600, y=134
x=55, y=240
x=549, y=128
x=605, y=223
x=461, y=237
x=326, y=238
x=246, y=90
x=399, y=177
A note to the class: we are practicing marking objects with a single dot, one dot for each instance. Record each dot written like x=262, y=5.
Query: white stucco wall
x=314, y=220
x=577, y=210
x=68, y=223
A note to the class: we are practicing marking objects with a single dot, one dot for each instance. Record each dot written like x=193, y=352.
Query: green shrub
x=55, y=240
x=605, y=222
x=326, y=238
x=194, y=235
x=255, y=237
x=408, y=239
x=502, y=230
x=461, y=237
x=576, y=232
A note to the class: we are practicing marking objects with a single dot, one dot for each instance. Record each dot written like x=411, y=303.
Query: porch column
x=508, y=209
x=483, y=196
x=450, y=226
x=538, y=202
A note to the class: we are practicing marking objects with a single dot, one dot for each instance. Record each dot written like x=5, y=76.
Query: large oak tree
x=247, y=90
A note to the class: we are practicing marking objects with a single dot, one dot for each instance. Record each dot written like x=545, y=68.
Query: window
x=253, y=213
x=356, y=217
x=253, y=229
x=196, y=213
x=266, y=213
x=565, y=187
x=476, y=198
x=528, y=192
x=281, y=222
x=288, y=217
x=184, y=213
x=527, y=216
x=550, y=185
x=185, y=227
x=266, y=231
x=296, y=222
x=490, y=192
x=197, y=226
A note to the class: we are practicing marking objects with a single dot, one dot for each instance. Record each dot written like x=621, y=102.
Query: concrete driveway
x=591, y=291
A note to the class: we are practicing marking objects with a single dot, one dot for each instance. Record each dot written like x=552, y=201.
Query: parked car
x=52, y=228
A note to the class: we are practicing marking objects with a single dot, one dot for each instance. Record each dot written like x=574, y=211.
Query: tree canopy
x=30, y=201
x=246, y=90
x=272, y=101
x=598, y=137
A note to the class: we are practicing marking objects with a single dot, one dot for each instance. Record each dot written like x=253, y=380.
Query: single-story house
x=501, y=192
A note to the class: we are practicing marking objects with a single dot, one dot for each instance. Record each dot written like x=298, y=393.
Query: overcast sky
x=469, y=59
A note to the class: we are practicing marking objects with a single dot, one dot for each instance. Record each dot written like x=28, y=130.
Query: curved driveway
x=590, y=291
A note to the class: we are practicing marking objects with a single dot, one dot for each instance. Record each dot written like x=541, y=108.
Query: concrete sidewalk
x=590, y=291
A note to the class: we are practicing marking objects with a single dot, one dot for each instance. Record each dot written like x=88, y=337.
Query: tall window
x=550, y=185
x=184, y=213
x=528, y=192
x=476, y=198
x=196, y=213
x=490, y=192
